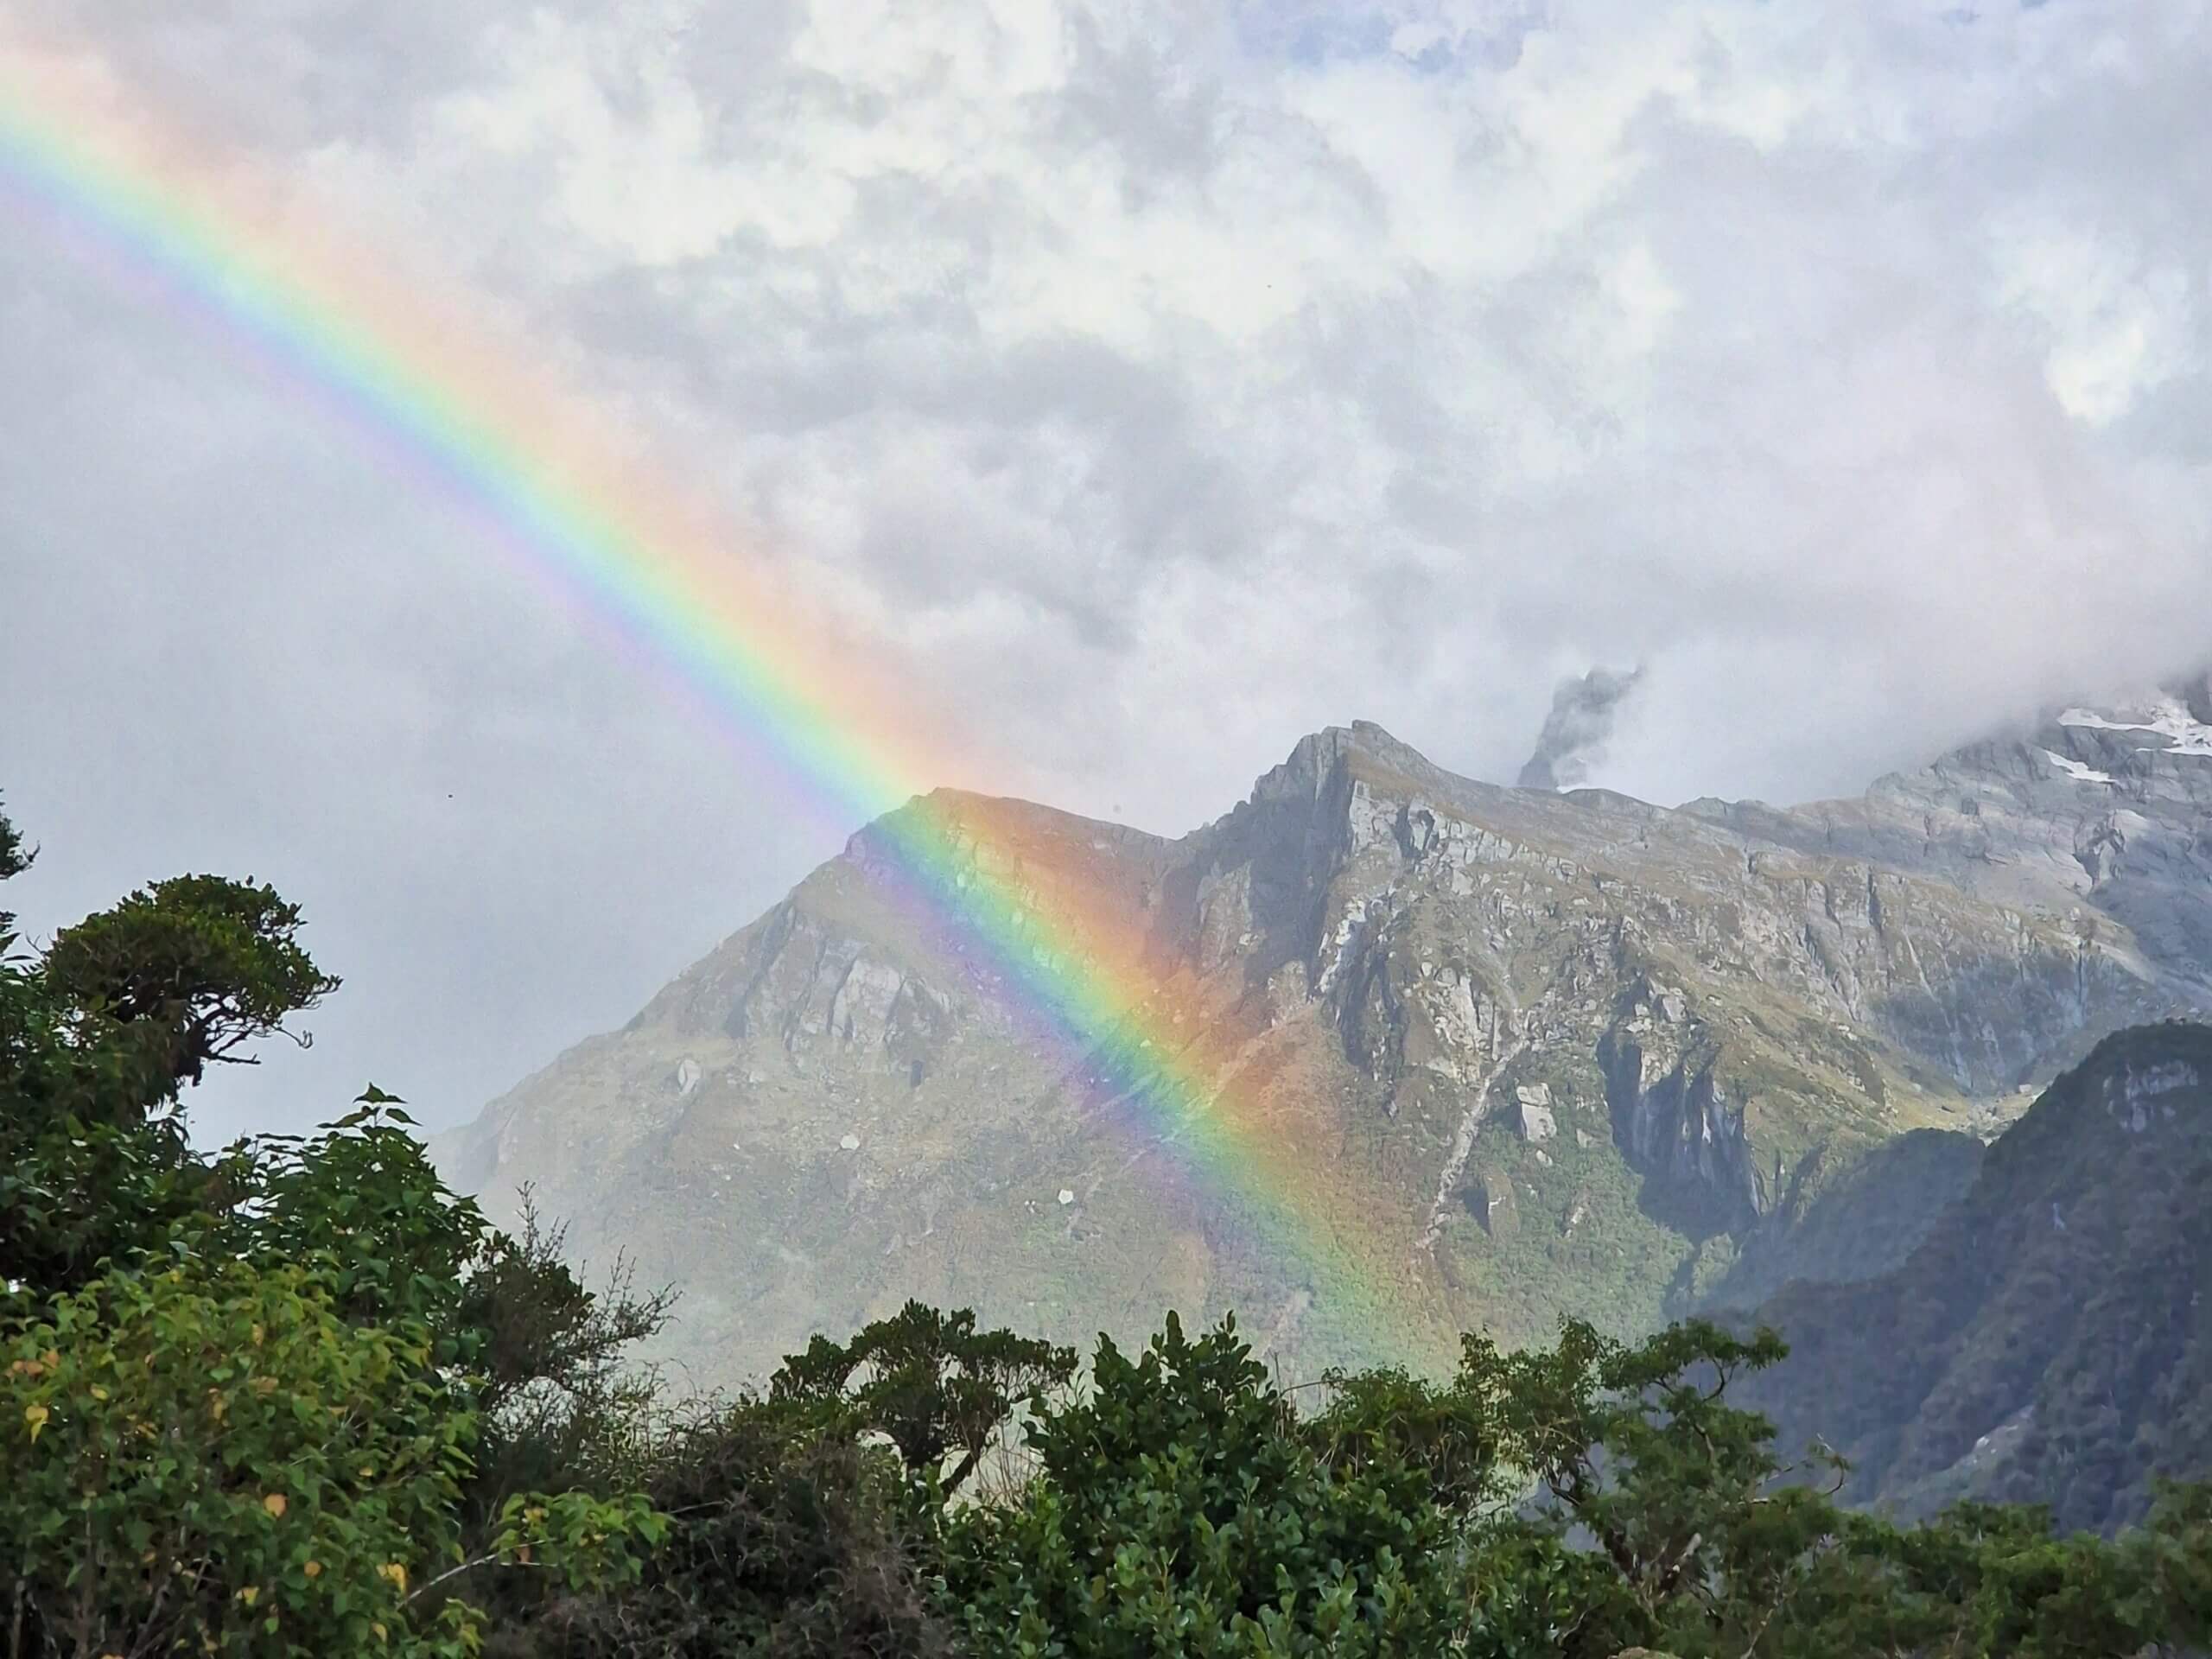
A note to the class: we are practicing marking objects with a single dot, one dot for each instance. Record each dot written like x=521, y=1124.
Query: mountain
x=1506, y=1053
x=2096, y=810
x=2049, y=1340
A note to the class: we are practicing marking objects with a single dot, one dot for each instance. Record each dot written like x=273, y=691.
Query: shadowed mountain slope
x=2049, y=1340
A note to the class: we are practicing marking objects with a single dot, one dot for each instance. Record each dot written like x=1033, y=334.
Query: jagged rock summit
x=1508, y=1052
x=2105, y=809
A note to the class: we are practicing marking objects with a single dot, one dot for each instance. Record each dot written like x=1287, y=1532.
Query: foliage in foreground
x=298, y=1398
x=257, y=1403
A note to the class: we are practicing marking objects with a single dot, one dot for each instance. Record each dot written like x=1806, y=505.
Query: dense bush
x=1183, y=1508
x=788, y=1536
x=211, y=1457
x=243, y=1398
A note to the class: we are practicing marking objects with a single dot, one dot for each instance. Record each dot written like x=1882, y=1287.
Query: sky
x=1141, y=384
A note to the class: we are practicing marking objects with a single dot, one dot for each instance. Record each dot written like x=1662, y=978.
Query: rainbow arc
x=433, y=394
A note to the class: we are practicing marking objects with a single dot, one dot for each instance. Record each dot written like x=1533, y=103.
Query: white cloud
x=2113, y=328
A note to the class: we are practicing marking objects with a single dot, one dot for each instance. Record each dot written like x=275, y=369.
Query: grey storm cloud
x=1574, y=733
x=1147, y=383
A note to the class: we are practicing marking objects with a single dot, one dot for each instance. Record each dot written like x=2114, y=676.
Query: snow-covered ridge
x=2168, y=719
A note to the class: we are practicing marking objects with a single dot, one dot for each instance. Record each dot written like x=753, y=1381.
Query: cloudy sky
x=1146, y=384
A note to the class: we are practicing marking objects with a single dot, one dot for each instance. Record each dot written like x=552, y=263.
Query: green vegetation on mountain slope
x=2050, y=1338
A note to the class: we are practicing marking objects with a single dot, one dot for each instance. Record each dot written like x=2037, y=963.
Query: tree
x=1701, y=1541
x=359, y=1200
x=1181, y=1509
x=212, y=1459
x=1582, y=1501
x=808, y=1519
x=1637, y=1447
x=789, y=1535
x=241, y=1394
x=97, y=1035
x=13, y=860
x=2171, y=1563
x=561, y=1396
x=929, y=1381
x=186, y=971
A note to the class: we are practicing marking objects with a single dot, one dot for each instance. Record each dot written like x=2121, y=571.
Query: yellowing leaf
x=35, y=1416
x=276, y=1503
x=250, y=1594
x=396, y=1572
x=312, y=1569
x=380, y=1632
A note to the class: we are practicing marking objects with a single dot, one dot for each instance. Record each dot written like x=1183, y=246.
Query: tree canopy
x=245, y=1400
x=298, y=1397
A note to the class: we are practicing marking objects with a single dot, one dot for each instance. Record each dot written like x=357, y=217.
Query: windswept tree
x=190, y=971
x=929, y=1382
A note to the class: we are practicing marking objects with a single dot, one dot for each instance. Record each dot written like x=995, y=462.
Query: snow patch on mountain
x=2169, y=718
x=2079, y=772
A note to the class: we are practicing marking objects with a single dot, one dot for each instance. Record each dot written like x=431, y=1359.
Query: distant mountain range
x=1531, y=1053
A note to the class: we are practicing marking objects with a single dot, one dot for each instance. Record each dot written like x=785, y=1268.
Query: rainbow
x=433, y=391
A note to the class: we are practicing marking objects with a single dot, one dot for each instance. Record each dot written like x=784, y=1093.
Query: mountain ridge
x=1522, y=1053
x=2047, y=1341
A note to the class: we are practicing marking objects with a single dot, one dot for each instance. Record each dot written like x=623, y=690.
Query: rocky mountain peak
x=1325, y=773
x=1505, y=1045
x=2095, y=813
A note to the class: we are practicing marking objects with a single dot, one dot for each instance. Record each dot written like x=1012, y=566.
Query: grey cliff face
x=2097, y=814
x=1558, y=1052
